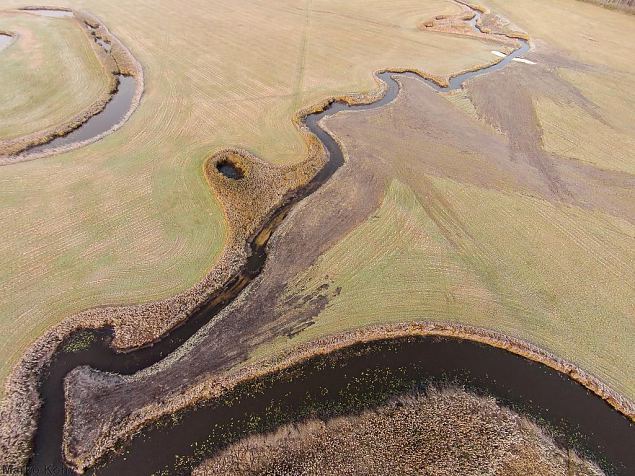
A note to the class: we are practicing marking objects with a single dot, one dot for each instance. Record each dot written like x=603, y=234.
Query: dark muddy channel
x=581, y=419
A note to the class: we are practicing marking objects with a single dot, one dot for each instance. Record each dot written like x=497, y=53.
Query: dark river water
x=364, y=375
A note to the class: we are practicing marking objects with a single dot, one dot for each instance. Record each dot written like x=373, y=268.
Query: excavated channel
x=580, y=419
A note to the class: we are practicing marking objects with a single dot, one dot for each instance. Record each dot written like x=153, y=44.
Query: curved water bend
x=117, y=108
x=111, y=115
x=338, y=383
x=100, y=355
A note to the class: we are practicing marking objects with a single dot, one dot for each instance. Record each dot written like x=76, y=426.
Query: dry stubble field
x=131, y=218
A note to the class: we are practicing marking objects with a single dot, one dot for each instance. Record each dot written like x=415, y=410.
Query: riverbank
x=346, y=374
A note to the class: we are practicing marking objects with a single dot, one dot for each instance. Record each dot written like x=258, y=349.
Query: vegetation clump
x=81, y=340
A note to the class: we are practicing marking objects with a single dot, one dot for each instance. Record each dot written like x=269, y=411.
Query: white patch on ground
x=523, y=60
x=498, y=53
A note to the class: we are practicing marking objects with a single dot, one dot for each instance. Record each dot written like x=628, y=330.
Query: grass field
x=131, y=218
x=48, y=75
x=452, y=246
x=561, y=278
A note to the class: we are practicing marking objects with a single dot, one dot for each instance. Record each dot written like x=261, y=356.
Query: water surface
x=230, y=170
x=115, y=110
x=368, y=375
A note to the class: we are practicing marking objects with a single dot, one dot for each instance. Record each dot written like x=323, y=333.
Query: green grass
x=558, y=277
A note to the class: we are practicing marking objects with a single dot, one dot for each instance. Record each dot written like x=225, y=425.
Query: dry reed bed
x=444, y=431
x=489, y=26
x=627, y=6
x=118, y=61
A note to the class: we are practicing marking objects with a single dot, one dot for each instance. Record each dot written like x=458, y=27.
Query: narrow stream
x=488, y=374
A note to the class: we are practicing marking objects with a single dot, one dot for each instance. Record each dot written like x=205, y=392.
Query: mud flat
x=104, y=116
